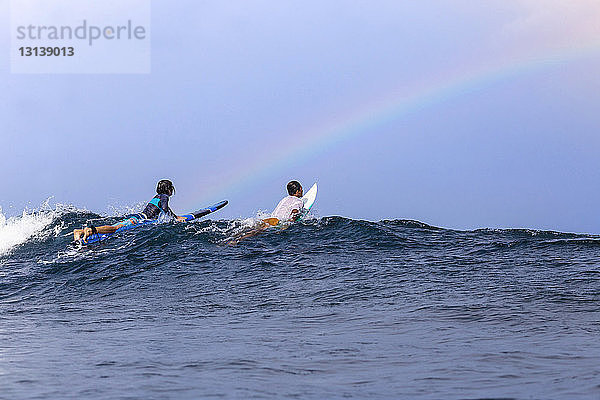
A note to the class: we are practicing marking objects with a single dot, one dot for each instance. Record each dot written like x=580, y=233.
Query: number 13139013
x=47, y=51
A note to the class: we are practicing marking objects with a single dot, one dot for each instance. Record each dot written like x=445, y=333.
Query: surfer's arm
x=172, y=214
x=164, y=205
x=295, y=214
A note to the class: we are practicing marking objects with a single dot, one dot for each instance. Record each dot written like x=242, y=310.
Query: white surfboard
x=309, y=198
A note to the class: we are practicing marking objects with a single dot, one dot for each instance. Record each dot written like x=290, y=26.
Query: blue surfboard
x=99, y=237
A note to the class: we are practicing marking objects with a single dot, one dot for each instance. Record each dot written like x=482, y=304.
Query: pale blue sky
x=231, y=80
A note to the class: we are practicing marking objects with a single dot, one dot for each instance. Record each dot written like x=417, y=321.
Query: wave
x=38, y=257
x=52, y=226
x=28, y=226
x=43, y=236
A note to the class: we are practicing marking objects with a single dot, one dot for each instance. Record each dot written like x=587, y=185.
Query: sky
x=459, y=114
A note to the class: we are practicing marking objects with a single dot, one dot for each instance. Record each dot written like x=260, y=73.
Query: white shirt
x=283, y=211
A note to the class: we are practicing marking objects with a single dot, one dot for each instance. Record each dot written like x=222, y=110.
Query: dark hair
x=165, y=186
x=293, y=187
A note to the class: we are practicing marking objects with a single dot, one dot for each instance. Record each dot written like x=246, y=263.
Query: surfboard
x=205, y=211
x=309, y=199
x=99, y=237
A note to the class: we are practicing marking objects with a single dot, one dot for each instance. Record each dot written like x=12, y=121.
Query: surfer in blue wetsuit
x=157, y=206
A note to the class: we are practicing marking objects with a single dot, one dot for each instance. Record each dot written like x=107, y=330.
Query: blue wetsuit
x=156, y=206
x=159, y=204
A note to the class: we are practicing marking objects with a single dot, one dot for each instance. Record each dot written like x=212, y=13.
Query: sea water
x=329, y=308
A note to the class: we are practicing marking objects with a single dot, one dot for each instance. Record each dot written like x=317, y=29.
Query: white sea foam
x=17, y=230
x=119, y=210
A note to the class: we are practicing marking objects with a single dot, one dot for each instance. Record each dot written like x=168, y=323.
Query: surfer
x=289, y=209
x=157, y=206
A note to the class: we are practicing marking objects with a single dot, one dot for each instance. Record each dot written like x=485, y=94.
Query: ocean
x=329, y=308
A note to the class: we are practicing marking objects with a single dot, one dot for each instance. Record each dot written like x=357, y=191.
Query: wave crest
x=18, y=230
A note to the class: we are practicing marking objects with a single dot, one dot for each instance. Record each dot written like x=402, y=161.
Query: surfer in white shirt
x=289, y=207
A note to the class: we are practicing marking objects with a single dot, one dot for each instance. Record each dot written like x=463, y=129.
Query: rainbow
x=303, y=145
